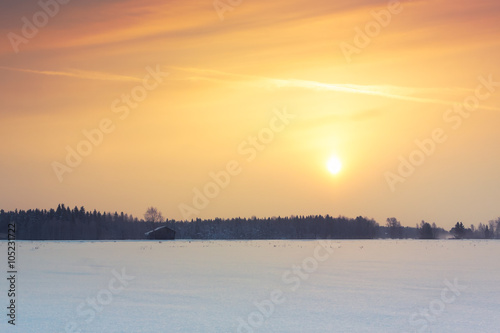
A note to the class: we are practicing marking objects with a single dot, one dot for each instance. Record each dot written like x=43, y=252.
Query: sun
x=334, y=165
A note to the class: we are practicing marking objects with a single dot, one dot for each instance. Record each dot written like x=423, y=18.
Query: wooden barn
x=160, y=233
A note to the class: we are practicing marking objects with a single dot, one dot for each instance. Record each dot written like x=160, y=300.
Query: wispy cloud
x=76, y=73
x=410, y=94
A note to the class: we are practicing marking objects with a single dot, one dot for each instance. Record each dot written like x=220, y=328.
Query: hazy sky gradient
x=225, y=79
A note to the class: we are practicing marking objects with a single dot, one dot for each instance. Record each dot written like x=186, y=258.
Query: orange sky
x=216, y=100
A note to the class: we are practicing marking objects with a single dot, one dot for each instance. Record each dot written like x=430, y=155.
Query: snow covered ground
x=255, y=286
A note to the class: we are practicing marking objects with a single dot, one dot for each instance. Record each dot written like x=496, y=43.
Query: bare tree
x=395, y=228
x=153, y=215
x=494, y=228
x=426, y=231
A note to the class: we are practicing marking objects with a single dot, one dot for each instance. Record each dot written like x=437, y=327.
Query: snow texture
x=256, y=286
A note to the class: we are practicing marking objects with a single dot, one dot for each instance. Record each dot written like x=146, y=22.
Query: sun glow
x=334, y=165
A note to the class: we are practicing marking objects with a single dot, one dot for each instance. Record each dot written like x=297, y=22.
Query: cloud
x=386, y=91
x=76, y=73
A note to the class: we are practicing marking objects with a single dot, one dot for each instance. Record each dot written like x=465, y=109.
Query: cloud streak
x=75, y=73
x=386, y=91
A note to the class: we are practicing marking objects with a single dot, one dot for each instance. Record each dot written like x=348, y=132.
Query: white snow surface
x=217, y=286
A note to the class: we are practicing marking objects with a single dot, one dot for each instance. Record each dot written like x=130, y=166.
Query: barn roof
x=147, y=233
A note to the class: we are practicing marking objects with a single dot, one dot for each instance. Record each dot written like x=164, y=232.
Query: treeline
x=294, y=227
x=65, y=223
x=483, y=231
x=425, y=230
